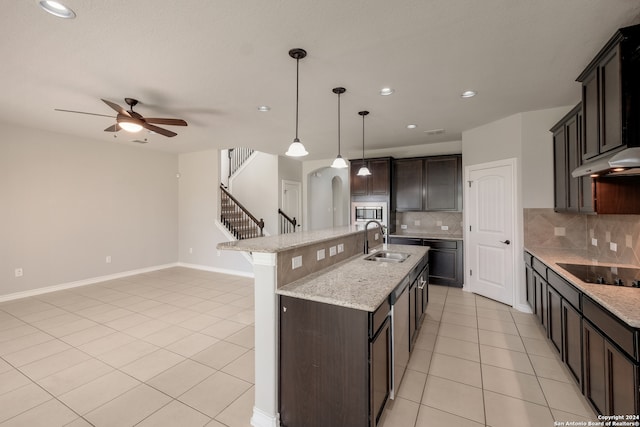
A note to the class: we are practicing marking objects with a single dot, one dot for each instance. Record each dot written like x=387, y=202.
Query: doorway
x=292, y=199
x=490, y=209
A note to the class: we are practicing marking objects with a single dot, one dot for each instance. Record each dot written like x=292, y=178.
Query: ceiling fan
x=133, y=121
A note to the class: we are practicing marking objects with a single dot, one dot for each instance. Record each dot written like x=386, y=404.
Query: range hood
x=622, y=163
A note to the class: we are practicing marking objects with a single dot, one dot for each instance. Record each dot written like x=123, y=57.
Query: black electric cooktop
x=605, y=275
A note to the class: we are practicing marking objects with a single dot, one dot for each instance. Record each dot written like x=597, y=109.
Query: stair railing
x=287, y=224
x=238, y=220
x=237, y=157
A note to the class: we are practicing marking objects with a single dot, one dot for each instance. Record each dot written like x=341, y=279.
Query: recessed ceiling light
x=386, y=91
x=264, y=108
x=469, y=94
x=412, y=126
x=57, y=9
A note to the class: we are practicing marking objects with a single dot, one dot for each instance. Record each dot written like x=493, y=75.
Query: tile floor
x=175, y=348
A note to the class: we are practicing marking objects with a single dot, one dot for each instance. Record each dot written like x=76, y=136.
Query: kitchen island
x=325, y=267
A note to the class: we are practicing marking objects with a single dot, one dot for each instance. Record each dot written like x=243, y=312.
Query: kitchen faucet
x=366, y=236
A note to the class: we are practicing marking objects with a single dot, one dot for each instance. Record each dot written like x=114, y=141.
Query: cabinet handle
x=506, y=242
x=284, y=309
x=422, y=283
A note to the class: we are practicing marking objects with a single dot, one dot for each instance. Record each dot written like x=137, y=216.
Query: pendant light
x=296, y=149
x=339, y=162
x=364, y=170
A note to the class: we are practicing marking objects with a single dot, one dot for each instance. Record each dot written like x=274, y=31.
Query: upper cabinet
x=611, y=95
x=428, y=184
x=376, y=184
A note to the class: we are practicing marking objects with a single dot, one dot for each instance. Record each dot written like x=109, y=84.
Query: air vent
x=434, y=132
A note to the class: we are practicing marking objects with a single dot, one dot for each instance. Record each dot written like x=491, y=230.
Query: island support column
x=265, y=409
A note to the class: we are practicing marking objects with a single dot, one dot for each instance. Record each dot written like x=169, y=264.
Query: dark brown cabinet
x=572, y=340
x=446, y=259
x=380, y=367
x=376, y=184
x=540, y=291
x=554, y=301
x=428, y=184
x=529, y=284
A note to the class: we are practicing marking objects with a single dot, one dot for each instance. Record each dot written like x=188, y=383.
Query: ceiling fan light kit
x=296, y=149
x=364, y=170
x=339, y=162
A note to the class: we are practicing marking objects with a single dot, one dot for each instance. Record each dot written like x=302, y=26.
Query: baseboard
x=217, y=270
x=525, y=308
x=84, y=282
x=262, y=419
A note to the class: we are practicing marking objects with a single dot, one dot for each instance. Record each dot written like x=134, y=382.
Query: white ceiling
x=213, y=62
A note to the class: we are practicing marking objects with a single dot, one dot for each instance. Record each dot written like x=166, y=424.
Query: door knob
x=506, y=242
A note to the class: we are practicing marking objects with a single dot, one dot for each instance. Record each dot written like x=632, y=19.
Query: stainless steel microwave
x=365, y=213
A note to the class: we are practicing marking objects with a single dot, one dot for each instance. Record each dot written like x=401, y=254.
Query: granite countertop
x=356, y=283
x=283, y=242
x=435, y=236
x=621, y=301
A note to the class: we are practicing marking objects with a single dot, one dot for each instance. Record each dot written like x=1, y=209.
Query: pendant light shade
x=364, y=170
x=339, y=162
x=296, y=149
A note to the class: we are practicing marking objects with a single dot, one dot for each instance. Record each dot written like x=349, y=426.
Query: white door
x=490, y=219
x=292, y=199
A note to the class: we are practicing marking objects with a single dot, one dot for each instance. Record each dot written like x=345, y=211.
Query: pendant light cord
x=338, y=123
x=363, y=138
x=297, y=92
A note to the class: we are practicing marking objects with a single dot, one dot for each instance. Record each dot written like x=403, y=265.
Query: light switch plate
x=594, y=242
x=340, y=248
x=613, y=246
x=296, y=262
x=320, y=254
x=332, y=251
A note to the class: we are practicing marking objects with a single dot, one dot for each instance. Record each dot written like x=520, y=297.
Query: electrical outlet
x=340, y=248
x=376, y=236
x=613, y=246
x=320, y=254
x=108, y=259
x=594, y=242
x=403, y=226
x=444, y=227
x=18, y=272
x=296, y=262
x=332, y=251
x=559, y=231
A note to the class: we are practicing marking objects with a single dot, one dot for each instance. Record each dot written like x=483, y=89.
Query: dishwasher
x=400, y=335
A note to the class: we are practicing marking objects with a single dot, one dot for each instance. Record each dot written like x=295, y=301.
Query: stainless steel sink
x=386, y=256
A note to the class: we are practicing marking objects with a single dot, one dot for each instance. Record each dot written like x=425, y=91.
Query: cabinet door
x=594, y=367
x=408, y=184
x=380, y=350
x=443, y=266
x=560, y=166
x=573, y=161
x=442, y=184
x=590, y=144
x=531, y=296
x=380, y=178
x=554, y=301
x=621, y=380
x=423, y=295
x=610, y=102
x=541, y=298
x=358, y=183
x=572, y=340
x=413, y=297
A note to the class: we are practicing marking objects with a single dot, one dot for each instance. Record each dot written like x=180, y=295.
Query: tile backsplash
x=592, y=233
x=430, y=222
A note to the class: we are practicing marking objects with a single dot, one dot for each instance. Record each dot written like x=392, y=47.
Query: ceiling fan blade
x=82, y=112
x=159, y=130
x=113, y=128
x=117, y=108
x=171, y=122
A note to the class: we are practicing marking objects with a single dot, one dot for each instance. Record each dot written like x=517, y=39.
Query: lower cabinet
x=540, y=290
x=380, y=369
x=572, y=340
x=554, y=330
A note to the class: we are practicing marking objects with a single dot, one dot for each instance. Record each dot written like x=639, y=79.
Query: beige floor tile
x=539, y=347
x=532, y=331
x=223, y=329
x=192, y=344
x=512, y=383
x=175, y=414
x=487, y=303
x=453, y=347
x=399, y=413
x=456, y=369
x=226, y=311
x=429, y=417
x=179, y=316
x=200, y=322
x=96, y=393
x=565, y=417
x=21, y=399
x=239, y=412
x=219, y=354
x=454, y=397
x=426, y=341
x=55, y=363
x=127, y=353
x=167, y=336
x=505, y=411
x=22, y=342
x=488, y=313
x=524, y=318
x=552, y=368
x=244, y=337
x=144, y=329
x=243, y=367
x=420, y=360
x=496, y=325
x=429, y=327
x=69, y=328
x=469, y=310
x=152, y=364
x=181, y=377
x=50, y=413
x=84, y=336
x=79, y=422
x=106, y=343
x=19, y=330
x=506, y=359
x=458, y=332
x=412, y=385
x=460, y=319
x=4, y=366
x=36, y=352
x=501, y=340
x=159, y=311
x=215, y=393
x=129, y=408
x=75, y=376
x=565, y=396
x=128, y=321
x=11, y=380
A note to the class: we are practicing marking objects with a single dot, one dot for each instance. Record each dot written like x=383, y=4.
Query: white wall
x=289, y=169
x=198, y=211
x=317, y=186
x=68, y=203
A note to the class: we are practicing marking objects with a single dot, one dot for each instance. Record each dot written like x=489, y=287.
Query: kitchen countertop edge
x=427, y=236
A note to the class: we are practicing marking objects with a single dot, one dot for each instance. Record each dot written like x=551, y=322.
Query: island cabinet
x=446, y=259
x=428, y=184
x=378, y=184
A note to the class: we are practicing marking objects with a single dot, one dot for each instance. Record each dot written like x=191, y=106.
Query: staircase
x=237, y=219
